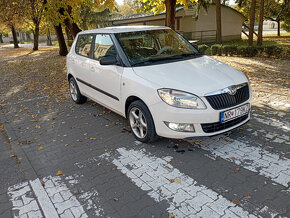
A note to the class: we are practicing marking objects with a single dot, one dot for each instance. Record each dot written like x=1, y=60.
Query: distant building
x=202, y=29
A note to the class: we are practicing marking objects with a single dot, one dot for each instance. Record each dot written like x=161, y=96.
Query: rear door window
x=84, y=44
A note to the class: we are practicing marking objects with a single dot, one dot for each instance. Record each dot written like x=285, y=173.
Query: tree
x=261, y=20
x=11, y=15
x=34, y=11
x=158, y=6
x=252, y=22
x=278, y=11
x=127, y=9
x=218, y=21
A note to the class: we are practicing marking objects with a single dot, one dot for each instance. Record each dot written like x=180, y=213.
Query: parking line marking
x=284, y=126
x=252, y=158
x=55, y=199
x=44, y=201
x=23, y=202
x=162, y=181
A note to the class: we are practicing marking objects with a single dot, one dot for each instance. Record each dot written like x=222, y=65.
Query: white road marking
x=43, y=199
x=23, y=201
x=284, y=126
x=252, y=158
x=162, y=181
x=55, y=199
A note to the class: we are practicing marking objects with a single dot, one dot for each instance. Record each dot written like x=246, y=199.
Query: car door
x=105, y=80
x=80, y=62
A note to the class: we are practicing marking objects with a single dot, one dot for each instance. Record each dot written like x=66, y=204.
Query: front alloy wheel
x=138, y=122
x=141, y=122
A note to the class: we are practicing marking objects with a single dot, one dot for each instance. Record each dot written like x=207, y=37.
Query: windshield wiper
x=185, y=55
x=152, y=60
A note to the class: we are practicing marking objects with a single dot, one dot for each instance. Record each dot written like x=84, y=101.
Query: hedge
x=246, y=51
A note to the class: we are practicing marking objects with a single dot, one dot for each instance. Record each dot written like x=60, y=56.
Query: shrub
x=203, y=48
x=251, y=51
x=277, y=51
x=260, y=50
x=216, y=49
x=229, y=50
x=241, y=51
x=269, y=50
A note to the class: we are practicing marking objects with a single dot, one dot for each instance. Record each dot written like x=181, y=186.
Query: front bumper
x=162, y=112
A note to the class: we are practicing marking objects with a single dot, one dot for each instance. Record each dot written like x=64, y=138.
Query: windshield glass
x=146, y=47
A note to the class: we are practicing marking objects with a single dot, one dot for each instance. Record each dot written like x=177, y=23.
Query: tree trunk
x=49, y=42
x=170, y=13
x=68, y=29
x=218, y=22
x=35, y=37
x=1, y=40
x=72, y=26
x=278, y=29
x=15, y=40
x=261, y=20
x=61, y=41
x=75, y=29
x=252, y=22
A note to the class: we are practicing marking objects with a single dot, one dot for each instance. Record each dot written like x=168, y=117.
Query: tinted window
x=83, y=46
x=104, y=46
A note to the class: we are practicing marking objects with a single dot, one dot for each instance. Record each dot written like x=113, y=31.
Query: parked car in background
x=156, y=79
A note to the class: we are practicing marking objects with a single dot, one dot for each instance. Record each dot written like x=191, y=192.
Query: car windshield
x=154, y=46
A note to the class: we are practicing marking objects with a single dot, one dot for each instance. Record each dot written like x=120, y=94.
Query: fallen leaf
x=59, y=173
x=76, y=191
x=112, y=149
x=37, y=126
x=170, y=215
x=116, y=199
x=238, y=169
x=99, y=163
x=236, y=201
x=40, y=148
x=233, y=158
x=176, y=180
x=93, y=138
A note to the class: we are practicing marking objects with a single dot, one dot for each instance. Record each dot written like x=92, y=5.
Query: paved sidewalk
x=82, y=161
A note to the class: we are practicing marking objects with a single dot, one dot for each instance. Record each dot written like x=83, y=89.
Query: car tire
x=141, y=122
x=75, y=93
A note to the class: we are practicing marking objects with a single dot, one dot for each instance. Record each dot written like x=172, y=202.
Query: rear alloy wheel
x=141, y=122
x=75, y=93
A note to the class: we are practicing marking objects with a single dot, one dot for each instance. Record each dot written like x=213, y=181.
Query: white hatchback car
x=159, y=81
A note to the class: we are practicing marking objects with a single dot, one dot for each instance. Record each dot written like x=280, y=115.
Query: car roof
x=123, y=29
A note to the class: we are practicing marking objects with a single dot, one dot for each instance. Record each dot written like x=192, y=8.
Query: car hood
x=198, y=75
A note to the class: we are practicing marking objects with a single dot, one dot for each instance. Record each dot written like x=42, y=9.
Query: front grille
x=218, y=126
x=225, y=100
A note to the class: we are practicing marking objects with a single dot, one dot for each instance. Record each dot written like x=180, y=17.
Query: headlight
x=181, y=99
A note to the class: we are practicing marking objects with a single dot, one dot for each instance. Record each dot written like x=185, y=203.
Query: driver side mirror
x=108, y=60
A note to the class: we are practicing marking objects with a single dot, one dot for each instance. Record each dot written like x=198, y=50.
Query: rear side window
x=104, y=46
x=83, y=45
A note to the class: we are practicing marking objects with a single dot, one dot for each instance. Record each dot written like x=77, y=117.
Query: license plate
x=234, y=113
